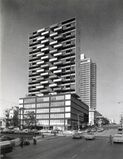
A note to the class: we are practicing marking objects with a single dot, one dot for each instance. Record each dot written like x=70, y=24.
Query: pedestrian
x=34, y=140
x=110, y=139
x=22, y=142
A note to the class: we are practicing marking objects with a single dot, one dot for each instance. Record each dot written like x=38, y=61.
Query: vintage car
x=89, y=136
x=76, y=135
x=117, y=138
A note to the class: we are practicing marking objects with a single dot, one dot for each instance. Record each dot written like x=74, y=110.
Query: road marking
x=74, y=156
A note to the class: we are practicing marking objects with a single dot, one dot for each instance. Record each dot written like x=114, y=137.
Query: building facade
x=54, y=59
x=88, y=85
x=63, y=111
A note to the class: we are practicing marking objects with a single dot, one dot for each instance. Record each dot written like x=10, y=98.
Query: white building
x=88, y=85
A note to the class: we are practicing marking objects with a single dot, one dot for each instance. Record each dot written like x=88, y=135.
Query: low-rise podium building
x=63, y=111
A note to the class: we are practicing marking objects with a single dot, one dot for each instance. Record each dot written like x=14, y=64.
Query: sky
x=101, y=26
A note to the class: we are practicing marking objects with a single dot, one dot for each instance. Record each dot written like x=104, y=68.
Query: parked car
x=120, y=130
x=117, y=138
x=5, y=146
x=100, y=129
x=89, y=136
x=77, y=135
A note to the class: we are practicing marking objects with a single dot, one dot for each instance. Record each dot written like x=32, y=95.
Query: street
x=68, y=148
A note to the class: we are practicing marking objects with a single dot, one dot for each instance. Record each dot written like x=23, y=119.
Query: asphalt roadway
x=68, y=148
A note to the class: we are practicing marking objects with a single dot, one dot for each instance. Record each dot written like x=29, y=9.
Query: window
x=42, y=116
x=56, y=122
x=39, y=105
x=67, y=109
x=56, y=115
x=67, y=115
x=68, y=96
x=57, y=98
x=42, y=110
x=20, y=101
x=29, y=106
x=29, y=100
x=67, y=102
x=43, y=99
x=56, y=110
x=57, y=104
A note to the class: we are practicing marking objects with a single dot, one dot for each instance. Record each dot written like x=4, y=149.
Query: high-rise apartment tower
x=54, y=59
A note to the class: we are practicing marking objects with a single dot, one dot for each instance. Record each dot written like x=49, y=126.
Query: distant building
x=63, y=111
x=2, y=123
x=88, y=85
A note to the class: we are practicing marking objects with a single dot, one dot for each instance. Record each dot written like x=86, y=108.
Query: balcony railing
x=53, y=68
x=57, y=46
x=40, y=54
x=58, y=54
x=53, y=59
x=44, y=82
x=53, y=42
x=53, y=85
x=45, y=33
x=44, y=41
x=45, y=49
x=41, y=30
x=58, y=28
x=53, y=34
x=40, y=38
x=40, y=46
x=40, y=70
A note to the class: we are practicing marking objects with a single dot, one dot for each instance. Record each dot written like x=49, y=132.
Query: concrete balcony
x=40, y=38
x=57, y=80
x=44, y=57
x=53, y=85
x=44, y=82
x=58, y=54
x=53, y=59
x=57, y=46
x=57, y=71
x=40, y=62
x=53, y=68
x=58, y=63
x=40, y=79
x=52, y=76
x=39, y=95
x=40, y=70
x=44, y=74
x=53, y=51
x=43, y=90
x=40, y=46
x=44, y=41
x=45, y=33
x=58, y=37
x=45, y=49
x=44, y=66
x=53, y=34
x=53, y=42
x=39, y=86
x=40, y=54
x=41, y=30
x=57, y=89
x=58, y=28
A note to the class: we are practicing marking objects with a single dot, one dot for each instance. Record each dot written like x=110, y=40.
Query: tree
x=13, y=119
x=30, y=119
x=7, y=117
